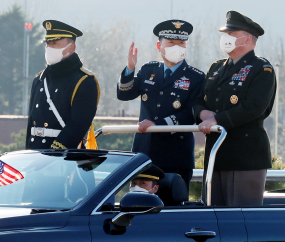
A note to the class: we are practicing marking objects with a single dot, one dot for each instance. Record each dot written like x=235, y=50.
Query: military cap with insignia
x=153, y=173
x=173, y=29
x=237, y=21
x=57, y=30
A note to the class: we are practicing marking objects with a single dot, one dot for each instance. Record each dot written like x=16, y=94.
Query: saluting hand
x=132, y=57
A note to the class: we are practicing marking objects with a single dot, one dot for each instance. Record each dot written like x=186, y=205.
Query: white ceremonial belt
x=44, y=132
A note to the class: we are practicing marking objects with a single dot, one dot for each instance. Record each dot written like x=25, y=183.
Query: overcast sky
x=143, y=15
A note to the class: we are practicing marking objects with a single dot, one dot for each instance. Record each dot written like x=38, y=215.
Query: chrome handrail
x=173, y=128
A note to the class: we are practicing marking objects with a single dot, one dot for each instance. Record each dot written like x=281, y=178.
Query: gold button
x=43, y=141
x=49, y=108
x=45, y=124
x=217, y=99
x=158, y=105
x=161, y=93
x=155, y=118
x=218, y=88
x=41, y=89
x=217, y=110
x=37, y=105
x=32, y=139
x=56, y=90
x=35, y=123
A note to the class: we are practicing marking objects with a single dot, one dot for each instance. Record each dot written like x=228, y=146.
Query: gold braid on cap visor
x=148, y=176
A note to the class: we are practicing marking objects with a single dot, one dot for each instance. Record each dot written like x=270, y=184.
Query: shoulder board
x=89, y=73
x=221, y=60
x=39, y=73
x=196, y=70
x=151, y=63
x=262, y=59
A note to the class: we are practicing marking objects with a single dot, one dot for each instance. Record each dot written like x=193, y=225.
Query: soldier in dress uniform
x=238, y=94
x=64, y=96
x=168, y=90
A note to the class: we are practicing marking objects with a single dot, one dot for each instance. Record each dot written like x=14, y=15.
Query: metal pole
x=276, y=110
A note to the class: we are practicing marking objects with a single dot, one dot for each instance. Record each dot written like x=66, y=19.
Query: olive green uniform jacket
x=242, y=97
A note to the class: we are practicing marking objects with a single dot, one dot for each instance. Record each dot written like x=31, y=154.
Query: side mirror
x=137, y=203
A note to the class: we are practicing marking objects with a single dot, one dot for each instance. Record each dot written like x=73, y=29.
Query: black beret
x=57, y=30
x=237, y=21
x=173, y=29
x=153, y=173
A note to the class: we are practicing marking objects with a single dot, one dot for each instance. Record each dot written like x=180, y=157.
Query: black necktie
x=167, y=73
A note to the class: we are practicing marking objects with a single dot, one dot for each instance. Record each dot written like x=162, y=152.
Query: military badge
x=242, y=74
x=144, y=97
x=232, y=83
x=177, y=24
x=149, y=82
x=228, y=16
x=151, y=77
x=234, y=99
x=268, y=69
x=176, y=104
x=183, y=83
x=48, y=26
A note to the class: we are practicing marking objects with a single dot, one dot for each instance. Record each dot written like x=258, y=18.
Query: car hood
x=27, y=219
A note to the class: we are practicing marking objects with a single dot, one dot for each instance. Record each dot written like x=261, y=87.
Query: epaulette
x=151, y=63
x=196, y=70
x=89, y=73
x=39, y=73
x=262, y=59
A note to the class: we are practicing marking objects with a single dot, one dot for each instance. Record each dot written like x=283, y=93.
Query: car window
x=56, y=180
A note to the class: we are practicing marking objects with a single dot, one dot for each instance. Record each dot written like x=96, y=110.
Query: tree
x=11, y=65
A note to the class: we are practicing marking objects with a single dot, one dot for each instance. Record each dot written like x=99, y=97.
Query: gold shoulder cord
x=81, y=80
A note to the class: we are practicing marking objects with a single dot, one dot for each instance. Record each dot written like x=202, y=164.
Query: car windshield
x=53, y=180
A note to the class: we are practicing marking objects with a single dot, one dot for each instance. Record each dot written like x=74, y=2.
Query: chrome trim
x=120, y=184
x=188, y=210
x=210, y=169
x=98, y=132
x=261, y=209
x=227, y=209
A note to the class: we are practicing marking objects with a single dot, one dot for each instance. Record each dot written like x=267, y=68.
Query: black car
x=82, y=195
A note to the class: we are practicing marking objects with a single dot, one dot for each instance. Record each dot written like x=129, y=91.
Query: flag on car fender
x=8, y=174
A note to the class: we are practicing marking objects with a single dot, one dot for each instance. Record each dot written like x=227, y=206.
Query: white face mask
x=174, y=54
x=54, y=55
x=228, y=43
x=139, y=189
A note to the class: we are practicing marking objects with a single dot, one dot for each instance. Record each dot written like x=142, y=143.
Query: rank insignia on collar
x=144, y=97
x=172, y=94
x=215, y=73
x=234, y=99
x=177, y=24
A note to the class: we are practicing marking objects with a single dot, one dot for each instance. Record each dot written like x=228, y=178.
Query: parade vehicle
x=82, y=195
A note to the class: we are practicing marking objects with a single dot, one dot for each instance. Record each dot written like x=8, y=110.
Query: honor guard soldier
x=64, y=96
x=168, y=90
x=238, y=94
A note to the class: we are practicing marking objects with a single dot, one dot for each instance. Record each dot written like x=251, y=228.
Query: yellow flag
x=91, y=141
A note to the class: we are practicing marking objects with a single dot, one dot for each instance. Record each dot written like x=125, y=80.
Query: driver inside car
x=147, y=181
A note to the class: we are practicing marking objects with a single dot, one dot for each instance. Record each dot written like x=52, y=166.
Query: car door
x=170, y=224
x=265, y=223
x=231, y=224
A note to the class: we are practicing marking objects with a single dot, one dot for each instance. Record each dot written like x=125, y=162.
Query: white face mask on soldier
x=54, y=55
x=137, y=188
x=228, y=43
x=174, y=54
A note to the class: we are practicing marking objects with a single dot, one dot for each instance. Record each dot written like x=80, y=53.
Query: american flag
x=8, y=174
